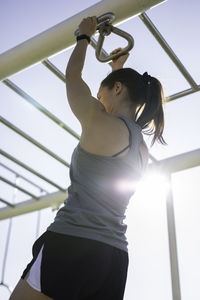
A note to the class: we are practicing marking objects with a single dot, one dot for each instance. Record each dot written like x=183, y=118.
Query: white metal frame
x=55, y=40
x=61, y=36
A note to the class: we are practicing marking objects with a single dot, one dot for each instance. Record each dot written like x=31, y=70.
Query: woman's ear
x=118, y=87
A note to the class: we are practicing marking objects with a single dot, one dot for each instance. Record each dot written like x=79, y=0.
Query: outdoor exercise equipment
x=105, y=28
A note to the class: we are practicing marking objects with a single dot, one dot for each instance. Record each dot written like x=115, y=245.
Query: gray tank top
x=99, y=193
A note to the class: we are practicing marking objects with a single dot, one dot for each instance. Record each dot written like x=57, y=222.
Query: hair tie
x=146, y=78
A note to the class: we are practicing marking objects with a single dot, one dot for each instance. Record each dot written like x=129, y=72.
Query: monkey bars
x=61, y=36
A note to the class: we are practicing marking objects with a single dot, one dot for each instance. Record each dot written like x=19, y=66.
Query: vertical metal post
x=176, y=292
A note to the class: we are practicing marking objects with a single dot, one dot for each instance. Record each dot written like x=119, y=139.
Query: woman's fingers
x=121, y=59
x=88, y=26
x=92, y=19
x=116, y=51
x=118, y=63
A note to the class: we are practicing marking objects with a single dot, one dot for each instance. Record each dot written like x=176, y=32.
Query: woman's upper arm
x=83, y=105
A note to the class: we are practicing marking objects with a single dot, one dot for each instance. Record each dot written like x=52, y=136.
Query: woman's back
x=96, y=205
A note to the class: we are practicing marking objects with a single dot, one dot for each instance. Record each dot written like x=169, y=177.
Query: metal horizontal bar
x=31, y=170
x=47, y=63
x=182, y=94
x=54, y=69
x=177, y=163
x=146, y=20
x=18, y=187
x=50, y=200
x=33, y=141
x=24, y=178
x=39, y=107
x=61, y=36
x=7, y=203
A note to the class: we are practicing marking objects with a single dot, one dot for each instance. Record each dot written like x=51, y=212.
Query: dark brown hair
x=147, y=95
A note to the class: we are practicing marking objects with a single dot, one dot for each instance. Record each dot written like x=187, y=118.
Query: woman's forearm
x=77, y=58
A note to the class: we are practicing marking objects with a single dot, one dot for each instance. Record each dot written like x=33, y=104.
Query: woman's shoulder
x=107, y=135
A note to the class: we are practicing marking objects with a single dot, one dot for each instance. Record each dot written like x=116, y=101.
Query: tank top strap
x=136, y=138
x=135, y=131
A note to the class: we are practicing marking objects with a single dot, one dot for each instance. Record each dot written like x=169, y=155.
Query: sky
x=149, y=266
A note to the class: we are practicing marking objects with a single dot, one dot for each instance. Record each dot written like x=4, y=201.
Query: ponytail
x=152, y=117
x=146, y=93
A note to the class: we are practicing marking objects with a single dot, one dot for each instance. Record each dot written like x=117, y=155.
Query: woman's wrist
x=84, y=33
x=83, y=37
x=77, y=58
x=117, y=68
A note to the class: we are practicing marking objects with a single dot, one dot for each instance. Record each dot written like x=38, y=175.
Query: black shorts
x=77, y=268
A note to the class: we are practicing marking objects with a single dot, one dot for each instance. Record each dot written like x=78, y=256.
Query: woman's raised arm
x=79, y=96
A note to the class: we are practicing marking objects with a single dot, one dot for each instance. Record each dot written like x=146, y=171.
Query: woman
x=83, y=254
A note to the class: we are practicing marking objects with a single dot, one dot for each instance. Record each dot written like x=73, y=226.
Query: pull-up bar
x=105, y=28
x=61, y=36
